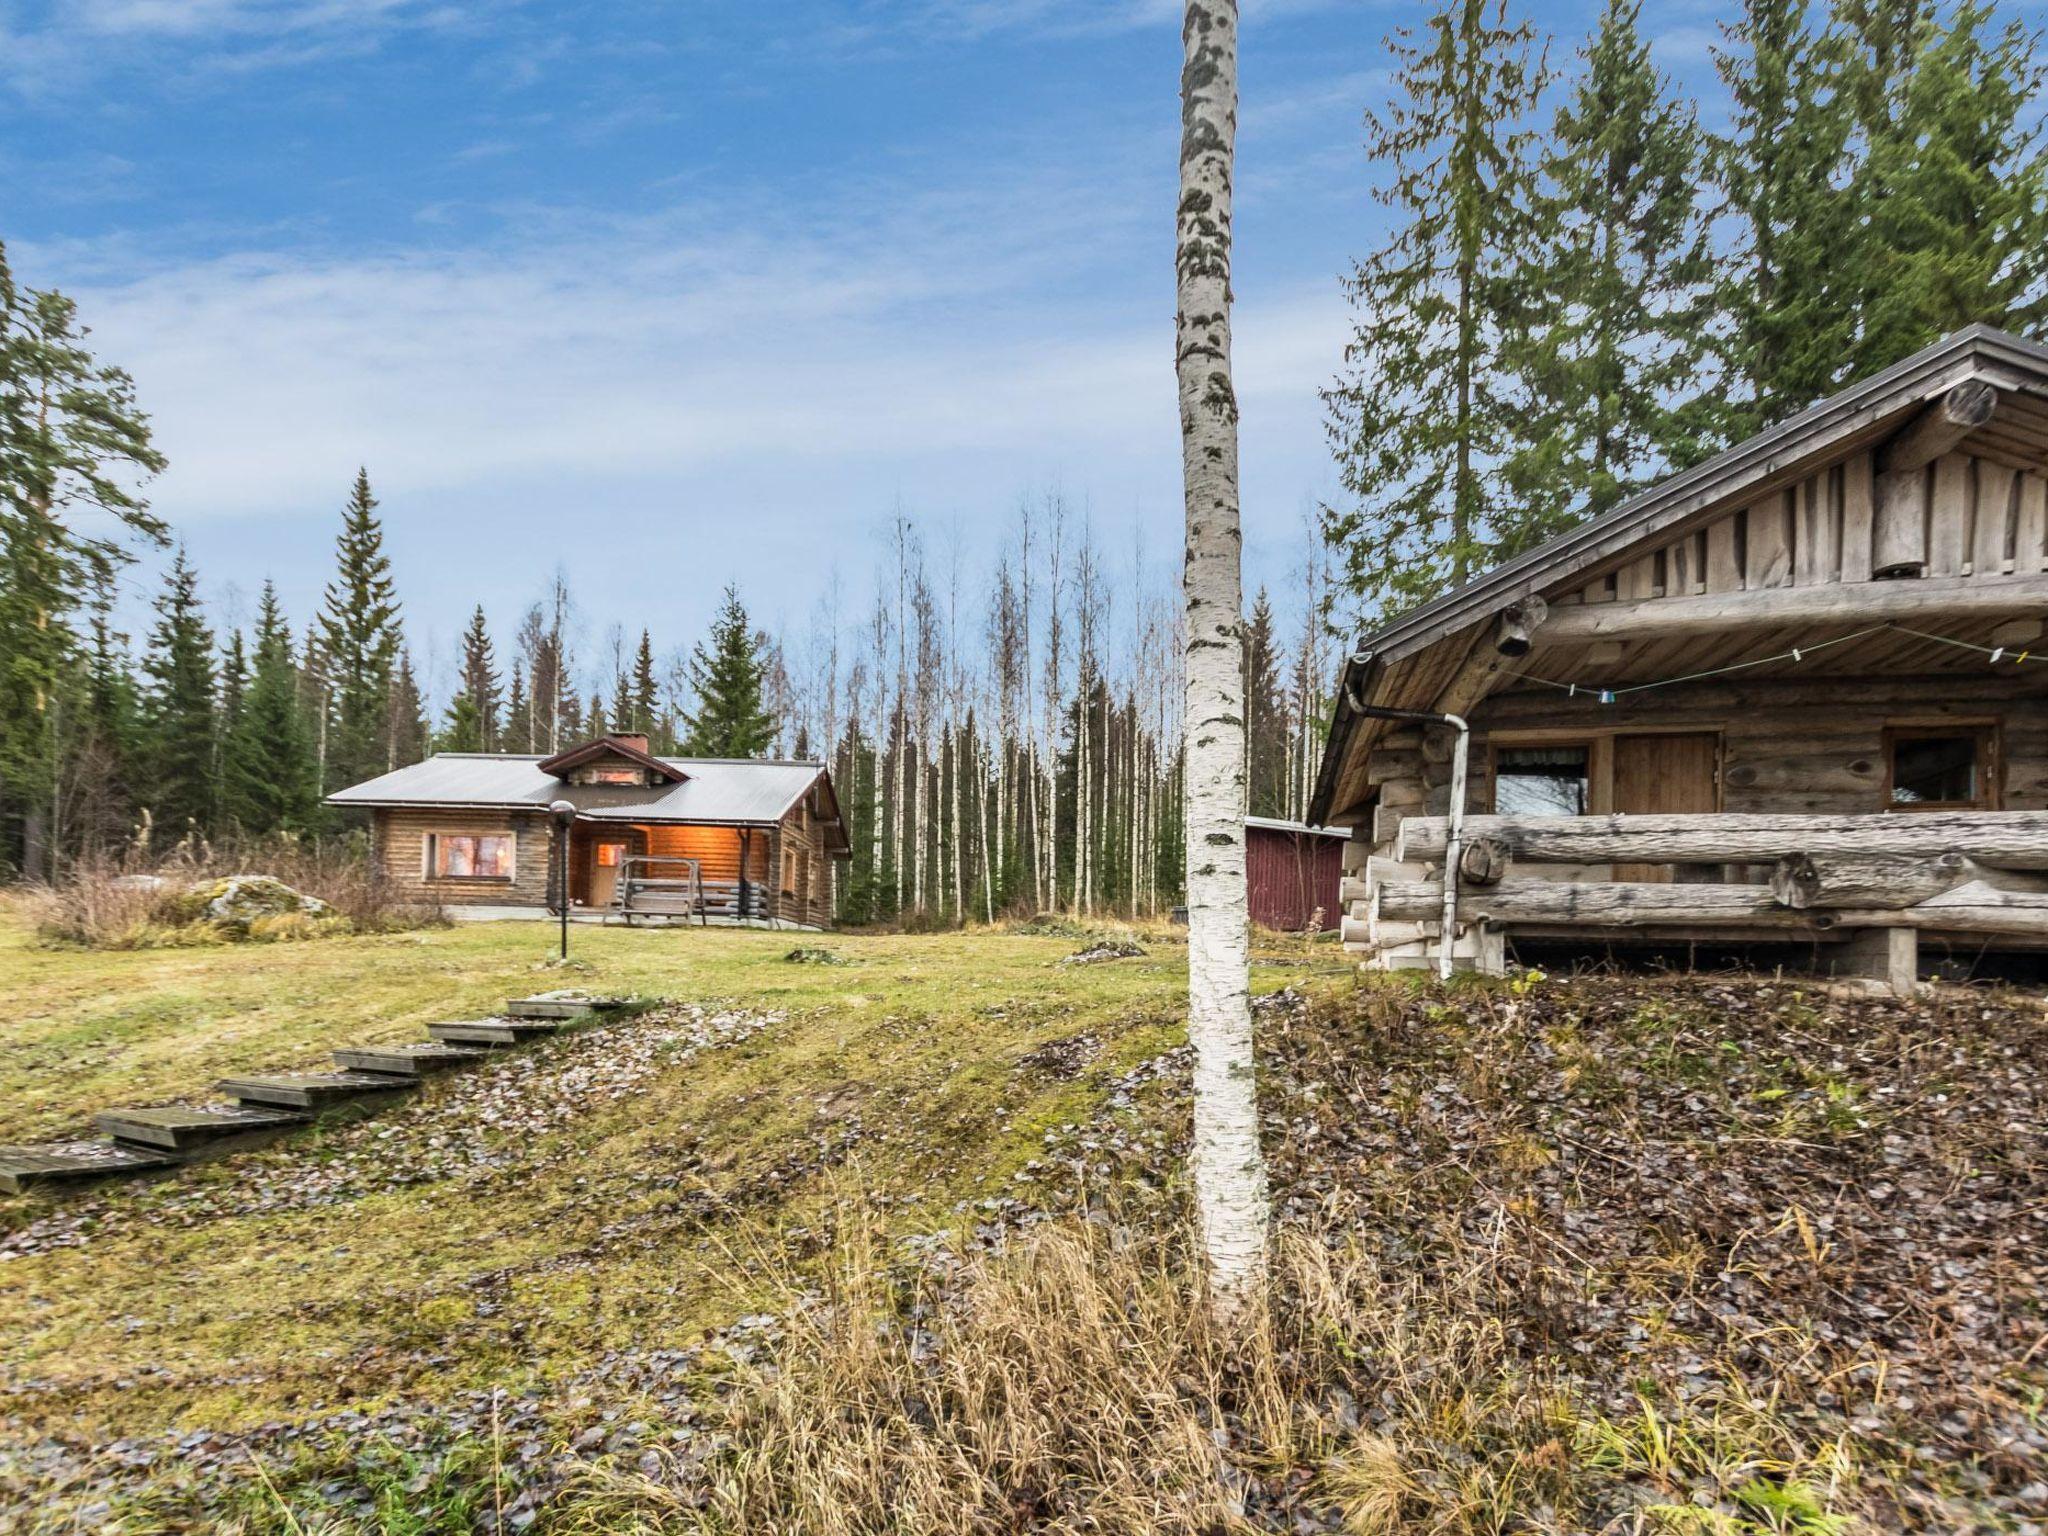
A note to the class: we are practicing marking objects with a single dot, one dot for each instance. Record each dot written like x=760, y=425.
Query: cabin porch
x=669, y=872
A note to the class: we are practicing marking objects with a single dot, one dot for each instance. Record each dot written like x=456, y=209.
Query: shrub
x=201, y=893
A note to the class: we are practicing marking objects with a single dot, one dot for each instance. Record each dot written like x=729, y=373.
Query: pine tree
x=726, y=676
x=1613, y=335
x=72, y=444
x=471, y=724
x=270, y=783
x=1953, y=185
x=1788, y=300
x=1422, y=417
x=179, y=708
x=231, y=691
x=358, y=640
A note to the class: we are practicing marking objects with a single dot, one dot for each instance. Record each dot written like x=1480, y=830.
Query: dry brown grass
x=1077, y=1383
x=132, y=900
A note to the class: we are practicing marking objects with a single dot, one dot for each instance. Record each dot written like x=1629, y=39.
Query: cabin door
x=1667, y=775
x=607, y=855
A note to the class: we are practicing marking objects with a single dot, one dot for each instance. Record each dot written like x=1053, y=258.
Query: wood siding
x=401, y=851
x=1290, y=877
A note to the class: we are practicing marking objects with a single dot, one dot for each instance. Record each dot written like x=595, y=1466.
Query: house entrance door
x=606, y=855
x=1667, y=775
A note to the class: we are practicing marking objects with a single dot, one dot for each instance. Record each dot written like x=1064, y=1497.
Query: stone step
x=552, y=1007
x=493, y=1031
x=190, y=1132
x=315, y=1090
x=74, y=1162
x=408, y=1060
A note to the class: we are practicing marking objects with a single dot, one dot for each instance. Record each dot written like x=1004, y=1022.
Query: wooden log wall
x=400, y=844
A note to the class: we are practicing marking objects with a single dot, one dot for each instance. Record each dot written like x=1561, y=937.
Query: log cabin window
x=626, y=775
x=1941, y=767
x=469, y=855
x=1542, y=781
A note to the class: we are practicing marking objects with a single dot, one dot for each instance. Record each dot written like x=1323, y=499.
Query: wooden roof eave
x=1865, y=411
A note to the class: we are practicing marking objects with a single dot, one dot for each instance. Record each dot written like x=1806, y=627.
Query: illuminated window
x=608, y=854
x=469, y=856
x=626, y=775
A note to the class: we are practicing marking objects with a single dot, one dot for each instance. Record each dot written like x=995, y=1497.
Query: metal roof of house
x=713, y=792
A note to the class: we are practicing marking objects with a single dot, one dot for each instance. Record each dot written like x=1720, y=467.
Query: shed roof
x=748, y=792
x=1275, y=824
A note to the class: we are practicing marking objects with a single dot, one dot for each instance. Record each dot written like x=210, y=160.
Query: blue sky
x=671, y=293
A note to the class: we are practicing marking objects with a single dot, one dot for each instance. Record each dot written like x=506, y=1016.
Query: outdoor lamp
x=563, y=813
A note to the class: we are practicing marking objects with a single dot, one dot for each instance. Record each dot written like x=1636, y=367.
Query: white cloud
x=679, y=350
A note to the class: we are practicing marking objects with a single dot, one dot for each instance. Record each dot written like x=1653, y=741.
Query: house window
x=608, y=855
x=1541, y=781
x=617, y=776
x=1939, y=768
x=469, y=856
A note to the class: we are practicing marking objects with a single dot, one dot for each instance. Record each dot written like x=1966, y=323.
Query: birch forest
x=1008, y=741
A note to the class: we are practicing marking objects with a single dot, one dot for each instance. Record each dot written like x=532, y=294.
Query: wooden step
x=191, y=1132
x=553, y=1007
x=494, y=1031
x=74, y=1162
x=315, y=1090
x=407, y=1060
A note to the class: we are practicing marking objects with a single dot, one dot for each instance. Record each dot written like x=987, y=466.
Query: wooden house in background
x=671, y=838
x=1796, y=693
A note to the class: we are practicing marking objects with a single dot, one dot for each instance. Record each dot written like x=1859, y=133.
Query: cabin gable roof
x=1979, y=392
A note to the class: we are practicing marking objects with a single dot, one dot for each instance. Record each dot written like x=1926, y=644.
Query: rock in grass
x=807, y=954
x=237, y=904
x=1105, y=949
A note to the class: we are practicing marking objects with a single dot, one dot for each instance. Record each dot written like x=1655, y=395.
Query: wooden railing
x=1964, y=872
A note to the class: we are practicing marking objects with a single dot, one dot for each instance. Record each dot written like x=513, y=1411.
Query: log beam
x=1939, y=428
x=1883, y=882
x=2000, y=839
x=1840, y=603
x=1971, y=908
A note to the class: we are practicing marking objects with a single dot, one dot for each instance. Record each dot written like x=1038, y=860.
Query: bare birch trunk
x=1230, y=1170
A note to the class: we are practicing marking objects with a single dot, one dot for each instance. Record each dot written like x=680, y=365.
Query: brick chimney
x=637, y=742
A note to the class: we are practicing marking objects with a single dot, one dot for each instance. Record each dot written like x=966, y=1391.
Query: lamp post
x=562, y=813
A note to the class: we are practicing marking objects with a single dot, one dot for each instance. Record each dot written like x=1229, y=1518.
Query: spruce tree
x=1788, y=300
x=1952, y=184
x=726, y=676
x=358, y=640
x=1421, y=418
x=179, y=708
x=471, y=723
x=647, y=697
x=270, y=783
x=518, y=716
x=231, y=692
x=406, y=730
x=1613, y=339
x=72, y=445
x=1265, y=714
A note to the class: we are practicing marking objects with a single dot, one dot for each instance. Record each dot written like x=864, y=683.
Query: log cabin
x=1796, y=694
x=652, y=838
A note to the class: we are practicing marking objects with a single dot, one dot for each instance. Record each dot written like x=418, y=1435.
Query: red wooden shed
x=1291, y=873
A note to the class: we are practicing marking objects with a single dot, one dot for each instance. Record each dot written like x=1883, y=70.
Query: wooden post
x=1890, y=956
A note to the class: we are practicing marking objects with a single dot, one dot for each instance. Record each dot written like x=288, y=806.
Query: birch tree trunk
x=1230, y=1170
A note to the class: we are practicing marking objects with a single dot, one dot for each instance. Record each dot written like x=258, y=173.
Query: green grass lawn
x=204, y=1298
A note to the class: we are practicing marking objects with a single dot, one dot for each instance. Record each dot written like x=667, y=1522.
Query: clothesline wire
x=1797, y=653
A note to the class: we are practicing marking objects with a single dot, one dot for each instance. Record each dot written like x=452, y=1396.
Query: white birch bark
x=1230, y=1170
